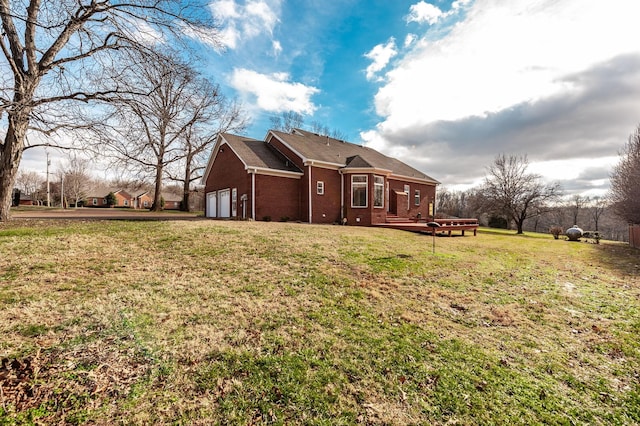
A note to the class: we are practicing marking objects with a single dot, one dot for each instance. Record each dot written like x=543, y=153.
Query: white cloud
x=459, y=4
x=509, y=60
x=274, y=92
x=225, y=9
x=380, y=55
x=245, y=21
x=277, y=47
x=409, y=39
x=259, y=18
x=499, y=57
x=424, y=12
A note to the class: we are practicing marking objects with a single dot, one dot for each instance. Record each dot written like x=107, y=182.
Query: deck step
x=397, y=219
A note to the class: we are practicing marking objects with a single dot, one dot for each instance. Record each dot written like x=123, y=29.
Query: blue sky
x=444, y=86
x=319, y=46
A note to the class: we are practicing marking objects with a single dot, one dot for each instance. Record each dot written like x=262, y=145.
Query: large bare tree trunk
x=186, y=184
x=10, y=157
x=8, y=171
x=157, y=193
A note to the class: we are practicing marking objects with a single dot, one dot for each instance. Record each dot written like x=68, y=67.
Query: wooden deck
x=447, y=226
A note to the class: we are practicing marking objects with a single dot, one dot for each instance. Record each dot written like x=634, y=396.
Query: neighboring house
x=25, y=200
x=98, y=198
x=143, y=201
x=306, y=177
x=20, y=199
x=171, y=201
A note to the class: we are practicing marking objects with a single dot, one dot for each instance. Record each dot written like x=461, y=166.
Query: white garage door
x=212, y=204
x=224, y=203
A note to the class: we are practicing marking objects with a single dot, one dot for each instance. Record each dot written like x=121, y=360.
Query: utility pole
x=48, y=188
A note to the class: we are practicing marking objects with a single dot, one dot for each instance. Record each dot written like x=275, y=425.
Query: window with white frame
x=378, y=191
x=126, y=203
x=94, y=201
x=407, y=190
x=416, y=197
x=320, y=187
x=359, y=190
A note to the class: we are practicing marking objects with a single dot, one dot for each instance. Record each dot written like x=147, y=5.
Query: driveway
x=100, y=214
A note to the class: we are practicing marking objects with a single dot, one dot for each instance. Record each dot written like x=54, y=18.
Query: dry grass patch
x=247, y=323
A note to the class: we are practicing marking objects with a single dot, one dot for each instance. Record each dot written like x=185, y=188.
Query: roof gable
x=357, y=162
x=254, y=155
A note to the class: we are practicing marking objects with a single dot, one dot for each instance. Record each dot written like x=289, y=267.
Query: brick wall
x=427, y=195
x=277, y=198
x=326, y=208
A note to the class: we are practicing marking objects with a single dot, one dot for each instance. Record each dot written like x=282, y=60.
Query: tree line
x=113, y=79
x=510, y=196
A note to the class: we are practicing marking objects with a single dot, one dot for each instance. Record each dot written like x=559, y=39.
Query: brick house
x=171, y=201
x=98, y=198
x=306, y=177
x=143, y=201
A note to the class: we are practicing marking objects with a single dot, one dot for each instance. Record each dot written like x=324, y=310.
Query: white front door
x=212, y=204
x=224, y=203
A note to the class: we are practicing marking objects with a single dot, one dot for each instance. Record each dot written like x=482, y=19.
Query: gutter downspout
x=253, y=195
x=341, y=196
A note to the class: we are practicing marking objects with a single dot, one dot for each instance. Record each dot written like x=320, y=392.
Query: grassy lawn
x=206, y=322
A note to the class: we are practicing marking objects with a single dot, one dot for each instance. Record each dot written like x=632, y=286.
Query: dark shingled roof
x=329, y=150
x=255, y=153
x=356, y=162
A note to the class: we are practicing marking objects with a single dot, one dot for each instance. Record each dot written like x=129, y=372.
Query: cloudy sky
x=444, y=86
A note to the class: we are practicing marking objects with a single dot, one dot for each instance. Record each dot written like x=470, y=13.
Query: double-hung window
x=359, y=190
x=416, y=197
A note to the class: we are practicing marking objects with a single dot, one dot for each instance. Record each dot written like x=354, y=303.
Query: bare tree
x=597, y=206
x=512, y=191
x=287, y=121
x=290, y=120
x=625, y=181
x=28, y=182
x=215, y=115
x=76, y=179
x=56, y=52
x=577, y=203
x=449, y=203
x=324, y=130
x=151, y=128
